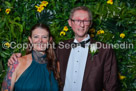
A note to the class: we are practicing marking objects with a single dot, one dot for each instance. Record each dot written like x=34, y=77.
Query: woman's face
x=40, y=39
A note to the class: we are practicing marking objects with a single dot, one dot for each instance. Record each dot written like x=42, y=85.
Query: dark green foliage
x=120, y=17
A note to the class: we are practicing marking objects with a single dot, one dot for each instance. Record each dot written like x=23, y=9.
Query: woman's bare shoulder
x=24, y=59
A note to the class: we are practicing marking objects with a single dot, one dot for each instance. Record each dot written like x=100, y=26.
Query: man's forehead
x=81, y=14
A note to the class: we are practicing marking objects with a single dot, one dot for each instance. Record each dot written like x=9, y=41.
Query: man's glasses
x=78, y=22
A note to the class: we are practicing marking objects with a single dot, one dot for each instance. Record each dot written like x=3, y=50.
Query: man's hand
x=13, y=58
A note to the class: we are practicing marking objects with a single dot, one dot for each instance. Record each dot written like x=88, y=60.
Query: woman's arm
x=8, y=81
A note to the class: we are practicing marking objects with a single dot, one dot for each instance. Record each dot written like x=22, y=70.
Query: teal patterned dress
x=36, y=78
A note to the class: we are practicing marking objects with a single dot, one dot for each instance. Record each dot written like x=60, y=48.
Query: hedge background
x=114, y=21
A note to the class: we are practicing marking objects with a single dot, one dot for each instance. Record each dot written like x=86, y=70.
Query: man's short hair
x=81, y=8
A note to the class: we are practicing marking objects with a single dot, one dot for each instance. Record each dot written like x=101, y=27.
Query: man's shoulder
x=102, y=46
x=63, y=45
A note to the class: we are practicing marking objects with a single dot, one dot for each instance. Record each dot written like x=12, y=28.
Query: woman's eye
x=44, y=36
x=35, y=36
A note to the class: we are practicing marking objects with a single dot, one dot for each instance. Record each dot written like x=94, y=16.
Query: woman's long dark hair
x=51, y=57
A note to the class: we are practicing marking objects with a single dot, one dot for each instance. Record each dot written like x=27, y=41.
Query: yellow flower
x=0, y=9
x=36, y=6
x=98, y=32
x=39, y=9
x=7, y=44
x=92, y=35
x=44, y=3
x=7, y=11
x=110, y=2
x=92, y=30
x=65, y=28
x=122, y=35
x=121, y=77
x=41, y=5
x=62, y=33
x=102, y=31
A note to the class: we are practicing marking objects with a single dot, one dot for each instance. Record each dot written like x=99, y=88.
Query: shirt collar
x=88, y=37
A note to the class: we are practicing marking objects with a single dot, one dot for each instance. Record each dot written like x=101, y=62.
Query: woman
x=36, y=71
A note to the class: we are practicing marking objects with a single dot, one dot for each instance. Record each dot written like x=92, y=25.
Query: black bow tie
x=82, y=44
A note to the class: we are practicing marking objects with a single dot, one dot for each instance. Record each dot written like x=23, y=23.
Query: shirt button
x=75, y=71
x=74, y=82
x=77, y=61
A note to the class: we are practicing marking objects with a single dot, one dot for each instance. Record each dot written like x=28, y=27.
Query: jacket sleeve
x=110, y=72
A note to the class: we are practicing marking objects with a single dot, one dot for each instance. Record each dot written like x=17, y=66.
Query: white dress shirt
x=76, y=67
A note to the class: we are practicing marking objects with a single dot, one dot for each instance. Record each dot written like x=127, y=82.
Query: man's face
x=80, y=23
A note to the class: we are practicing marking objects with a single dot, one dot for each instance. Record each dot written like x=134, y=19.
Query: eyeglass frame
x=81, y=21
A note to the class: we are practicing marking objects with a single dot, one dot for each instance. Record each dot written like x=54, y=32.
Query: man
x=80, y=70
